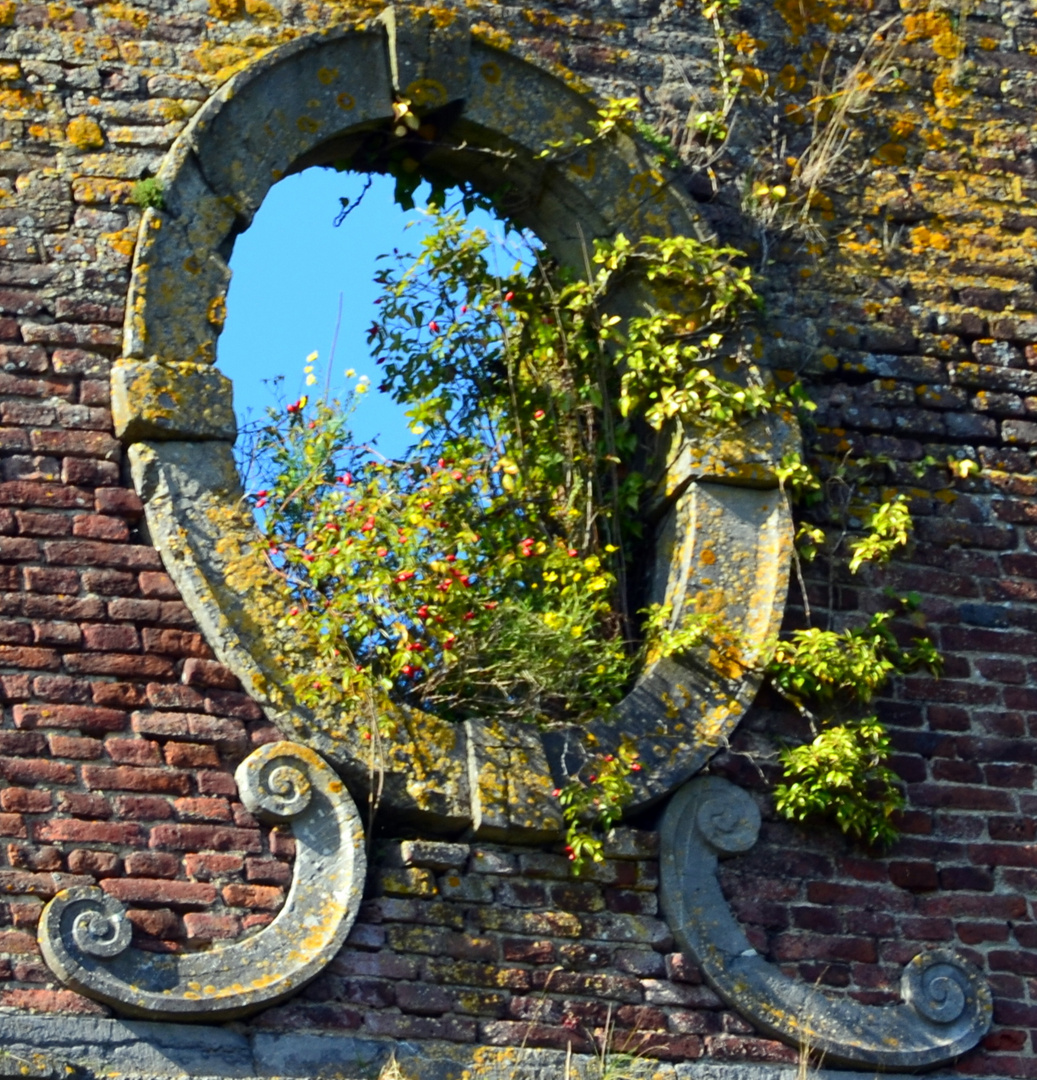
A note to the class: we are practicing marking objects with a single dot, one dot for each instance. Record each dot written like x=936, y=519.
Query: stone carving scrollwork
x=85, y=934
x=947, y=1004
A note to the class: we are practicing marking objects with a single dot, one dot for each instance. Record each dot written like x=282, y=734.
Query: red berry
x=451, y=558
x=635, y=767
x=469, y=615
x=434, y=326
x=423, y=612
x=408, y=670
x=573, y=553
x=508, y=297
x=539, y=414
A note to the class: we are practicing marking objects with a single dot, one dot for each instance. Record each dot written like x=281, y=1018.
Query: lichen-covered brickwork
x=900, y=284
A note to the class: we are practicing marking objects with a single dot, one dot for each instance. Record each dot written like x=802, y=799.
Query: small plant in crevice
x=148, y=192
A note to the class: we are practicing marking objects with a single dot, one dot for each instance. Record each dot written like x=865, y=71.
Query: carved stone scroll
x=85, y=934
x=947, y=1005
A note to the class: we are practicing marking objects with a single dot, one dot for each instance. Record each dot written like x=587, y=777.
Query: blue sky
x=290, y=269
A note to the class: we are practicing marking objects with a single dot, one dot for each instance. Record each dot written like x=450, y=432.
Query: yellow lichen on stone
x=84, y=133
x=7, y=10
x=226, y=10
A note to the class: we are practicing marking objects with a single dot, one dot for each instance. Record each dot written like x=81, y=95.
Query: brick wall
x=915, y=322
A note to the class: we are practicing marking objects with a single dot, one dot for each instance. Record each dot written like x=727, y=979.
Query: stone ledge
x=116, y=1049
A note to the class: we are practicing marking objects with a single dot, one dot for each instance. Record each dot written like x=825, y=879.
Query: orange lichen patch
x=791, y=79
x=263, y=13
x=801, y=15
x=988, y=44
x=891, y=153
x=948, y=96
x=754, y=79
x=936, y=28
x=125, y=13
x=122, y=241
x=60, y=12
x=84, y=133
x=746, y=44
x=7, y=10
x=490, y=35
x=226, y=9
x=923, y=239
x=222, y=61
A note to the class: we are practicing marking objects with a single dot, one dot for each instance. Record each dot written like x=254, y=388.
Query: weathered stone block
x=172, y=401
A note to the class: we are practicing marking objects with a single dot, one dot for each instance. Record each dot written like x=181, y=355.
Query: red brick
x=123, y=502
x=127, y=665
x=82, y=804
x=80, y=362
x=89, y=472
x=14, y=687
x=43, y=885
x=160, y=891
x=51, y=1001
x=206, y=867
x=203, y=809
x=110, y=582
x=19, y=656
x=175, y=643
x=26, y=800
x=143, y=807
x=282, y=843
x=160, y=923
x=211, y=782
x=96, y=863
x=174, y=696
x=269, y=871
x=124, y=695
x=101, y=527
x=57, y=633
x=152, y=864
x=96, y=553
x=31, y=523
x=36, y=771
x=21, y=743
x=195, y=727
x=58, y=830
x=61, y=690
x=190, y=755
x=73, y=747
x=133, y=752
x=18, y=549
x=135, y=610
x=204, y=927
x=158, y=586
x=62, y=607
x=108, y=638
x=208, y=673
x=15, y=633
x=13, y=825
x=205, y=838
x=229, y=703
x=35, y=857
x=131, y=778
x=262, y=897
x=79, y=717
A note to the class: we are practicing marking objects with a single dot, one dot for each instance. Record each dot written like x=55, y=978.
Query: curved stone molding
x=724, y=533
x=947, y=1005
x=85, y=935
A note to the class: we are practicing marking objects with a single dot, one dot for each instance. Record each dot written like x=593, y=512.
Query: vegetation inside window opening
x=487, y=573
x=491, y=571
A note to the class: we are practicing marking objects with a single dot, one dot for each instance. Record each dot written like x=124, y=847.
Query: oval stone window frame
x=727, y=530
